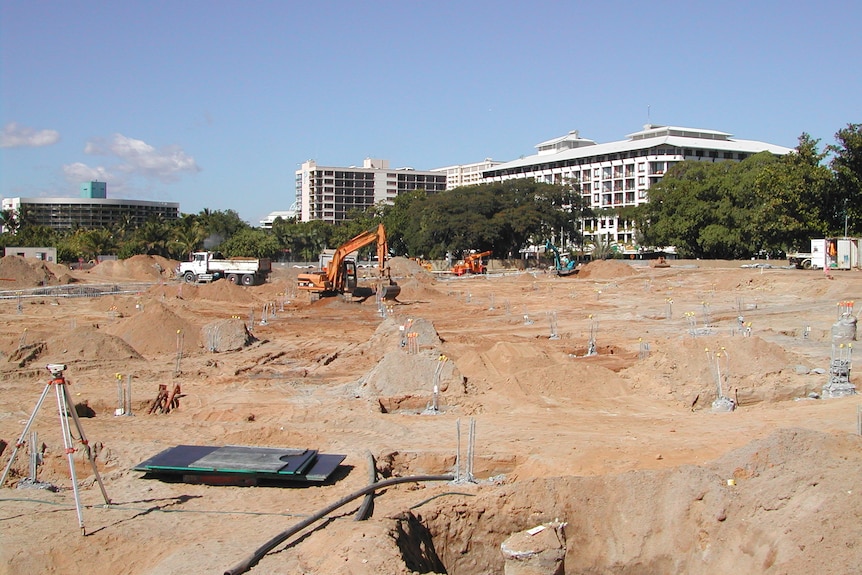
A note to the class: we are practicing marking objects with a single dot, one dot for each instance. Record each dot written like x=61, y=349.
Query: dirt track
x=621, y=445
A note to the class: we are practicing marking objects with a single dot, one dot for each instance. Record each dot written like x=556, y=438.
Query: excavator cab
x=349, y=271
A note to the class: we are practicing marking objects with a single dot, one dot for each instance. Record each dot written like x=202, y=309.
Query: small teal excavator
x=562, y=270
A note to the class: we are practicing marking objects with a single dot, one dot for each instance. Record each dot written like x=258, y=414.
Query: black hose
x=367, y=507
x=252, y=560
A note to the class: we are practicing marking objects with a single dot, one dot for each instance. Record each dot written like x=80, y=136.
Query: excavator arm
x=335, y=271
x=474, y=257
x=335, y=277
x=558, y=264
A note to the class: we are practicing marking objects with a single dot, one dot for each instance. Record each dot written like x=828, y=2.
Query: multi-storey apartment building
x=619, y=174
x=466, y=174
x=92, y=210
x=331, y=193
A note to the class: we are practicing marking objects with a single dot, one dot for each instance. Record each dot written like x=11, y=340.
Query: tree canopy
x=762, y=204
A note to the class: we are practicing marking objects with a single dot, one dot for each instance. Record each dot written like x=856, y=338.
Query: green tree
x=311, y=239
x=152, y=237
x=570, y=208
x=846, y=197
x=402, y=225
x=92, y=243
x=705, y=209
x=36, y=236
x=219, y=226
x=251, y=242
x=792, y=199
x=501, y=217
x=124, y=227
x=188, y=235
x=283, y=231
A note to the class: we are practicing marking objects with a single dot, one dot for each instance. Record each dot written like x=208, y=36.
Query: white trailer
x=832, y=253
x=207, y=267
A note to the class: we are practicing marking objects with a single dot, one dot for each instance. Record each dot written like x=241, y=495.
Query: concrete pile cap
x=532, y=542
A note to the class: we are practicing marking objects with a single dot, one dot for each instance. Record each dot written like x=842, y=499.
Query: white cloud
x=79, y=172
x=15, y=136
x=139, y=158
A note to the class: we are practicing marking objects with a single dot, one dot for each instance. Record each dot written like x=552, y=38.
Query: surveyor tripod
x=66, y=408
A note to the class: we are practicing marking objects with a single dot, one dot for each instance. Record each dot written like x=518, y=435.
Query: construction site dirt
x=586, y=400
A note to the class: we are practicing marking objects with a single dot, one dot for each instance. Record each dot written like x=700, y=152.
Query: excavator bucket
x=389, y=292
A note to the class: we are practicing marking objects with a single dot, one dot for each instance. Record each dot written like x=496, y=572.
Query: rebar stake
x=179, y=352
x=722, y=402
x=468, y=466
x=643, y=353
x=552, y=318
x=594, y=330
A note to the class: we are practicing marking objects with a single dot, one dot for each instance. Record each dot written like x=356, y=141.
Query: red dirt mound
x=158, y=330
x=137, y=268
x=17, y=272
x=606, y=269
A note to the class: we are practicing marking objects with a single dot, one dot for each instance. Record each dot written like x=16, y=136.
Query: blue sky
x=215, y=104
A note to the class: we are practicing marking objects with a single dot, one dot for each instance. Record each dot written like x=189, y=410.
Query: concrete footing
x=537, y=551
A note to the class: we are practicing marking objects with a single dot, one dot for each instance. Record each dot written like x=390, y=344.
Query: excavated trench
x=758, y=510
x=622, y=528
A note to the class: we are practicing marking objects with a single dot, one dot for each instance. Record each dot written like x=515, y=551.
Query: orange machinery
x=473, y=264
x=339, y=274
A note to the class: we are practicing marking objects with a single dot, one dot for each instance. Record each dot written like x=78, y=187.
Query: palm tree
x=602, y=247
x=96, y=242
x=153, y=235
x=124, y=226
x=188, y=235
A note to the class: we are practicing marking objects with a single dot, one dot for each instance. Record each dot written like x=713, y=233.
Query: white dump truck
x=210, y=266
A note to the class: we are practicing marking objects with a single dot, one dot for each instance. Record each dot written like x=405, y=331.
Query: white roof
x=722, y=142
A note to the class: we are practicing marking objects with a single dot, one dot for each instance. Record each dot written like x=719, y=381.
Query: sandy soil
x=622, y=446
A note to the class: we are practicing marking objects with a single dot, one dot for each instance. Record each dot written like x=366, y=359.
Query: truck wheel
x=806, y=265
x=248, y=280
x=233, y=278
x=189, y=277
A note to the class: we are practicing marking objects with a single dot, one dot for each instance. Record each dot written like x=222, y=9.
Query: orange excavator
x=338, y=276
x=473, y=264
